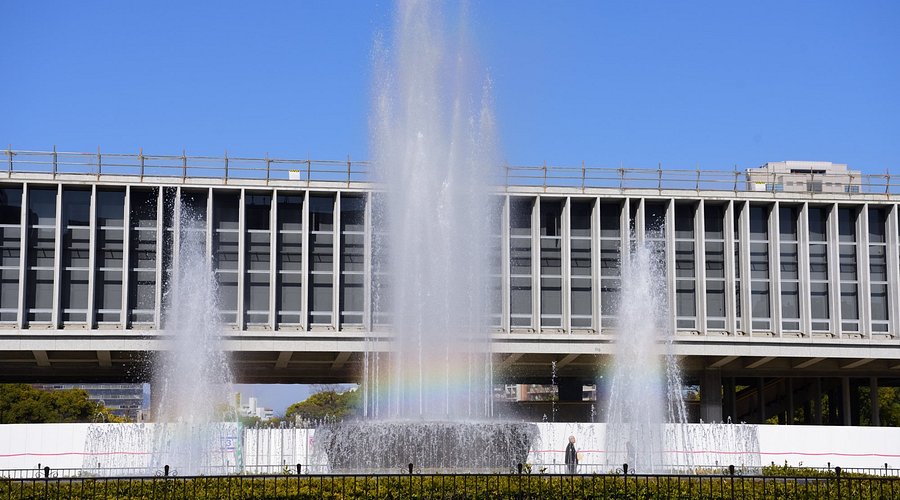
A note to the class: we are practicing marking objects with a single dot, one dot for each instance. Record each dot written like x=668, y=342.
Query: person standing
x=571, y=456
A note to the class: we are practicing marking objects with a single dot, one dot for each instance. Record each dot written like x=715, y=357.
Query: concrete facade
x=776, y=291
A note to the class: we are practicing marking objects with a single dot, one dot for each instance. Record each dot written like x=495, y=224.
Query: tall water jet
x=192, y=373
x=434, y=150
x=645, y=387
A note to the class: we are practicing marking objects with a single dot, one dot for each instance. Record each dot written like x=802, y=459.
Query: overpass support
x=570, y=389
x=873, y=401
x=846, y=411
x=711, y=396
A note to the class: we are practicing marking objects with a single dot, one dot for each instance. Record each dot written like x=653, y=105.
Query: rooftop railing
x=237, y=168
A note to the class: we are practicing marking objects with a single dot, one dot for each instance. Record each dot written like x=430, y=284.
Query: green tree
x=325, y=404
x=24, y=404
x=888, y=406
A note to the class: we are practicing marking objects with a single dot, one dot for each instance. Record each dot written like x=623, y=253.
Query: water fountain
x=431, y=446
x=434, y=151
x=645, y=387
x=192, y=433
x=192, y=374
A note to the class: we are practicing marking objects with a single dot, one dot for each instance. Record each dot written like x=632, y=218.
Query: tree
x=888, y=406
x=325, y=404
x=24, y=404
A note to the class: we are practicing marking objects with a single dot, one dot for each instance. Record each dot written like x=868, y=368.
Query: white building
x=804, y=177
x=252, y=408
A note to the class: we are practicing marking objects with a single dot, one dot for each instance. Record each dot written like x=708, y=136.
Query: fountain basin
x=390, y=446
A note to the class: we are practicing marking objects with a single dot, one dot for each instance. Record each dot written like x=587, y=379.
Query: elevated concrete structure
x=772, y=289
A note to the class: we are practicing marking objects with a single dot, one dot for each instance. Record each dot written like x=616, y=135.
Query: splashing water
x=192, y=373
x=433, y=144
x=645, y=389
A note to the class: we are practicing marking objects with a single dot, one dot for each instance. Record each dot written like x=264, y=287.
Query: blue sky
x=700, y=83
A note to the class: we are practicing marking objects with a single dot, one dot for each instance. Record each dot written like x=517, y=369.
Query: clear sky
x=686, y=83
x=706, y=83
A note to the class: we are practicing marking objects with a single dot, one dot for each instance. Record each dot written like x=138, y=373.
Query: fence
x=409, y=484
x=231, y=168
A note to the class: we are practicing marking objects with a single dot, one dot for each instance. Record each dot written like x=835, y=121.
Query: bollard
x=166, y=471
x=625, y=474
x=837, y=473
x=625, y=469
x=46, y=471
x=519, y=467
x=410, y=466
x=298, y=469
x=731, y=473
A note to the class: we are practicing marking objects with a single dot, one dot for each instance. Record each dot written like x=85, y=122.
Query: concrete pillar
x=873, y=401
x=817, y=402
x=711, y=396
x=845, y=401
x=730, y=400
x=761, y=399
x=569, y=389
x=155, y=399
x=789, y=384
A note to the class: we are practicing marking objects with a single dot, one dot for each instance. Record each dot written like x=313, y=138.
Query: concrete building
x=804, y=177
x=252, y=408
x=123, y=400
x=781, y=298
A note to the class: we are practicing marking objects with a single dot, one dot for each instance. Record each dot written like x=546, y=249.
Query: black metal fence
x=832, y=484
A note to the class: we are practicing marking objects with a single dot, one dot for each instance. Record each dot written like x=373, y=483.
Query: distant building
x=539, y=392
x=251, y=408
x=123, y=400
x=804, y=176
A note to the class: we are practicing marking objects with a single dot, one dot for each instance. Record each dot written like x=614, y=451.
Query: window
x=818, y=268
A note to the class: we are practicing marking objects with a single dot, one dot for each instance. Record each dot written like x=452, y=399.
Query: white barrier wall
x=798, y=445
x=819, y=446
x=59, y=446
x=62, y=446
x=283, y=448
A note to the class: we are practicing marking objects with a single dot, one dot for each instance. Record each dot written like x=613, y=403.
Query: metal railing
x=183, y=166
x=409, y=484
x=534, y=468
x=234, y=168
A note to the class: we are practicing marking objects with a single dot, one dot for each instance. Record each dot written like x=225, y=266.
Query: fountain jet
x=433, y=142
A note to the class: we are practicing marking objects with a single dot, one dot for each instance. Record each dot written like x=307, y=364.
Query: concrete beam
x=283, y=358
x=104, y=358
x=340, y=360
x=856, y=364
x=509, y=360
x=808, y=363
x=566, y=360
x=723, y=361
x=41, y=358
x=759, y=362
